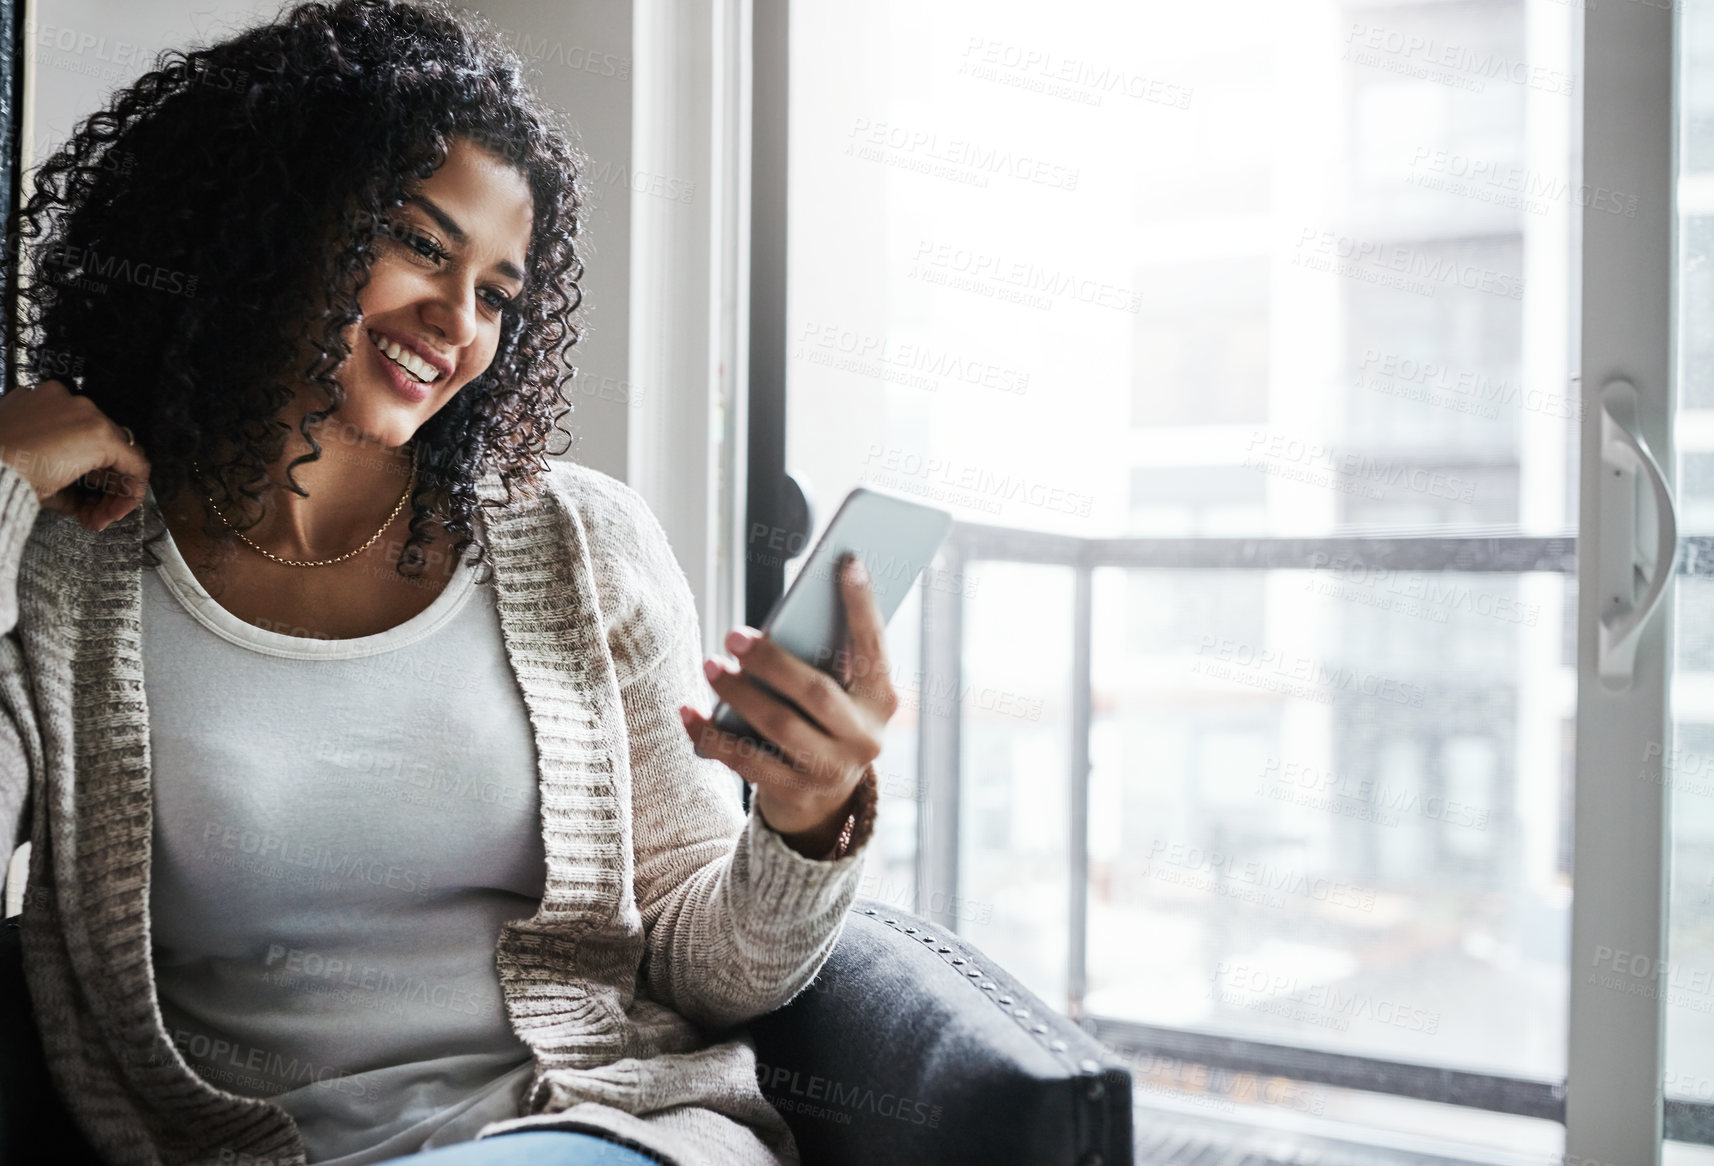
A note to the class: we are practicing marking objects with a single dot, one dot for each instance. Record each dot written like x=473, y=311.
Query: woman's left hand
x=804, y=793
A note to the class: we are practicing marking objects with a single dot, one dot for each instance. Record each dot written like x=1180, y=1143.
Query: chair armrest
x=912, y=1047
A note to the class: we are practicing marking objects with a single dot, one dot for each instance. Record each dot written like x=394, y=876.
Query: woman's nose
x=453, y=314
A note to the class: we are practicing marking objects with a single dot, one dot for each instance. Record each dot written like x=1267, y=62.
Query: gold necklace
x=325, y=562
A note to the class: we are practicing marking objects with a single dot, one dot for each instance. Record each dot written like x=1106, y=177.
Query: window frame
x=1611, y=1101
x=1621, y=849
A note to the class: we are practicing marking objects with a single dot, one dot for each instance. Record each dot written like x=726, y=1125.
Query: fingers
x=812, y=690
x=866, y=639
x=118, y=489
x=65, y=501
x=122, y=480
x=800, y=741
x=826, y=735
x=80, y=461
x=754, y=764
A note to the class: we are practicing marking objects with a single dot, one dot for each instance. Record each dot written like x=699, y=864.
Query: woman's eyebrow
x=447, y=224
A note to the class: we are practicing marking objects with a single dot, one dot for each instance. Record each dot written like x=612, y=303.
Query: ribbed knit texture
x=668, y=915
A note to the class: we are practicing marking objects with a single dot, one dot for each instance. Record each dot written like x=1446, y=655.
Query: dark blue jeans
x=531, y=1148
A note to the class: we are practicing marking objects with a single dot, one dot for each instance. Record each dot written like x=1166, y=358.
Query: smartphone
x=895, y=538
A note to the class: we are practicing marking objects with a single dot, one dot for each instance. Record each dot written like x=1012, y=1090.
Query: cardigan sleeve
x=19, y=507
x=736, y=922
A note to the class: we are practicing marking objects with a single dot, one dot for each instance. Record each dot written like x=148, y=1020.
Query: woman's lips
x=402, y=382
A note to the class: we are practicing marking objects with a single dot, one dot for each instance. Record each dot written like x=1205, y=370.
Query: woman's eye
x=425, y=246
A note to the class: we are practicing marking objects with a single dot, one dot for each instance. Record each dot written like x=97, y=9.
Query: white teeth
x=406, y=359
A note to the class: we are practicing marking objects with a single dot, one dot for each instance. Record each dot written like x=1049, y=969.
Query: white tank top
x=340, y=829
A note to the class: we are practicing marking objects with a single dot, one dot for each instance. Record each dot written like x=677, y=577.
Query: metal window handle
x=1636, y=562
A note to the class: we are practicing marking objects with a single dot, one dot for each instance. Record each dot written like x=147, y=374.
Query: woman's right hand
x=55, y=437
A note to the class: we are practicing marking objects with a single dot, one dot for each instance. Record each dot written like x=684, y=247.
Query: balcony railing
x=941, y=744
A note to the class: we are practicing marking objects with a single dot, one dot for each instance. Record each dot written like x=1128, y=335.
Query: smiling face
x=432, y=309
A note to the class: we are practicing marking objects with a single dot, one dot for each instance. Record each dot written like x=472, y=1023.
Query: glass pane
x=1328, y=809
x=1137, y=270
x=889, y=870
x=1687, y=981
x=1014, y=809
x=1686, y=765
x=1321, y=288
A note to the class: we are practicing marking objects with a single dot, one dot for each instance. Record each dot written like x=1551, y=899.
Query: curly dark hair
x=198, y=238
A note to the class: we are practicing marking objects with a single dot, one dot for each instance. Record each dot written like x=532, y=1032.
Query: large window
x=1687, y=769
x=1244, y=343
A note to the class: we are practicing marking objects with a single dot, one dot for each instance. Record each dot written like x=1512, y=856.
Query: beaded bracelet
x=844, y=843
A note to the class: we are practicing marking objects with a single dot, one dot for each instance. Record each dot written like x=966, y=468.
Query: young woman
x=344, y=850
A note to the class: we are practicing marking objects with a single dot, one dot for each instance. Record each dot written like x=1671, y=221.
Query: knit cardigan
x=669, y=917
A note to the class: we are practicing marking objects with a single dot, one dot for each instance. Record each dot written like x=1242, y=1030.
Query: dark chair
x=34, y=1126
x=911, y=1048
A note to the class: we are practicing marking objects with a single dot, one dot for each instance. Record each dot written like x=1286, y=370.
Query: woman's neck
x=352, y=488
